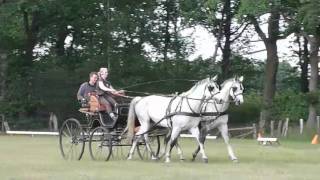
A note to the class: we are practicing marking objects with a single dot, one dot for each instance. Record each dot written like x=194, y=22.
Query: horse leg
x=223, y=128
x=180, y=153
x=133, y=147
x=195, y=132
x=202, y=138
x=178, y=147
x=165, y=142
x=146, y=138
x=173, y=138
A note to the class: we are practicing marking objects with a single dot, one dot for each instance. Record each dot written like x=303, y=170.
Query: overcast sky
x=205, y=42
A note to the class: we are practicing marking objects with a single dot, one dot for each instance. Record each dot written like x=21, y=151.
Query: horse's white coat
x=156, y=108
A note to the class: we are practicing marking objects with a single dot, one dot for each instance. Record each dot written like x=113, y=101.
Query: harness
x=193, y=113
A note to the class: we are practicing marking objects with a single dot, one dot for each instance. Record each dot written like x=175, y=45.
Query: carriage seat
x=93, y=105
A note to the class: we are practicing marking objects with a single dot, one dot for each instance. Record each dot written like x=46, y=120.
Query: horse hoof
x=129, y=157
x=193, y=157
x=181, y=160
x=205, y=161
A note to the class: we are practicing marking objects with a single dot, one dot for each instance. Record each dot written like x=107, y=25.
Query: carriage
x=106, y=137
x=110, y=138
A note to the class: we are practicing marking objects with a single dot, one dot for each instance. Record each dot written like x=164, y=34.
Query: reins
x=157, y=81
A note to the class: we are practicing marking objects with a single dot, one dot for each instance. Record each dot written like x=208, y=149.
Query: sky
x=205, y=43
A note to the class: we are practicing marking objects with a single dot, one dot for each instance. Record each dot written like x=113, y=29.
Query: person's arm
x=80, y=94
x=104, y=88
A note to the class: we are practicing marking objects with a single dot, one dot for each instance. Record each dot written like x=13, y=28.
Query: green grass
x=26, y=157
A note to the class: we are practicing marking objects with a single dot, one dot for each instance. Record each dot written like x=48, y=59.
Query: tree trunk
x=313, y=82
x=304, y=61
x=167, y=33
x=61, y=37
x=226, y=51
x=270, y=82
x=31, y=33
x=271, y=65
x=3, y=70
x=107, y=37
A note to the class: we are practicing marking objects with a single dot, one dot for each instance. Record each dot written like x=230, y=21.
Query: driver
x=106, y=93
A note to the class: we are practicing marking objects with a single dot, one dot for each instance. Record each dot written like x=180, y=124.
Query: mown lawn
x=26, y=157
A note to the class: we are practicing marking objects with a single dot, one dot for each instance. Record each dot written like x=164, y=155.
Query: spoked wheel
x=71, y=139
x=100, y=145
x=154, y=142
x=120, y=146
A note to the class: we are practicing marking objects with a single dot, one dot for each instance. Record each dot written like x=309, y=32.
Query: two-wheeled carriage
x=106, y=137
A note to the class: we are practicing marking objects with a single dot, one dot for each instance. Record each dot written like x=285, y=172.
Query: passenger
x=87, y=88
x=106, y=93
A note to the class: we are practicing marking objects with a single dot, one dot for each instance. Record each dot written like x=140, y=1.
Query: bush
x=290, y=104
x=248, y=112
x=312, y=97
x=286, y=104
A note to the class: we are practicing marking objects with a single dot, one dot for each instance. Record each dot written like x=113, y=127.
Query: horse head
x=236, y=90
x=212, y=88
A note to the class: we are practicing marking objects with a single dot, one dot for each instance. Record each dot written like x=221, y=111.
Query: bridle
x=235, y=95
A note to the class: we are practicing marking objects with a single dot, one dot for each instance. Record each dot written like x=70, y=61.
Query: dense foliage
x=48, y=48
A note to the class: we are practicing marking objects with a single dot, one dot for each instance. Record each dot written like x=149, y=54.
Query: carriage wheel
x=100, y=146
x=154, y=142
x=120, y=146
x=71, y=139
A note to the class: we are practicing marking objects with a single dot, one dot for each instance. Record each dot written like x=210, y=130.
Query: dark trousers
x=108, y=102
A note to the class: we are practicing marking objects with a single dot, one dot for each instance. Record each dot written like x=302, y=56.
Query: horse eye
x=210, y=88
x=234, y=89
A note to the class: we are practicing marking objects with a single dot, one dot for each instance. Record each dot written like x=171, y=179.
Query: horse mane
x=226, y=81
x=195, y=86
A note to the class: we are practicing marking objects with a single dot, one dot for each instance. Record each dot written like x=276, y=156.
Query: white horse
x=179, y=113
x=231, y=88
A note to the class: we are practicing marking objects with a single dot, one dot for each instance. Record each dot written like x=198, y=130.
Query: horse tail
x=131, y=118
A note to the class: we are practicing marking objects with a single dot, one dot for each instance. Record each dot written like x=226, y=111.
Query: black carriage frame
x=106, y=137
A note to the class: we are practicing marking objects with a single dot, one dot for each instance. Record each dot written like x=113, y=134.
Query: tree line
x=47, y=48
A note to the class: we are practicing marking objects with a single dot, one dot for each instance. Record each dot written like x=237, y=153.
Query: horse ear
x=214, y=78
x=241, y=78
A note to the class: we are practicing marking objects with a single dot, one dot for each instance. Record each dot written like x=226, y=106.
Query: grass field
x=26, y=157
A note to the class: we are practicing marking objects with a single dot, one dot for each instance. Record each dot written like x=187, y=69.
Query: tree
x=306, y=17
x=303, y=54
x=252, y=10
x=218, y=17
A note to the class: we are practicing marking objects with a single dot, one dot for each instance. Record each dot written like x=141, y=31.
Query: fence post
x=279, y=128
x=301, y=125
x=254, y=128
x=285, y=128
x=53, y=122
x=271, y=128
